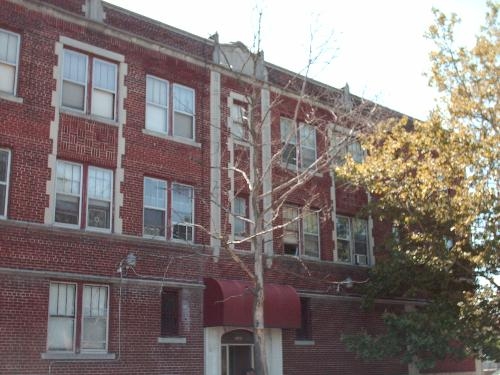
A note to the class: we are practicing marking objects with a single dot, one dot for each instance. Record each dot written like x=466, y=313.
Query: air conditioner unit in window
x=361, y=259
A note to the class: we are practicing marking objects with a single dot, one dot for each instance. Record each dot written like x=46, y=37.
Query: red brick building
x=118, y=141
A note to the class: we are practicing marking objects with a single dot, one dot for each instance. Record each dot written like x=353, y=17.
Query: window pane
x=99, y=214
x=155, y=193
x=183, y=125
x=103, y=104
x=75, y=67
x=311, y=245
x=99, y=183
x=240, y=209
x=289, y=154
x=7, y=78
x=343, y=251
x=154, y=222
x=359, y=228
x=3, y=203
x=4, y=165
x=73, y=95
x=94, y=333
x=156, y=91
x=360, y=247
x=67, y=209
x=8, y=47
x=308, y=136
x=356, y=151
x=104, y=75
x=60, y=333
x=156, y=118
x=308, y=156
x=310, y=221
x=288, y=133
x=343, y=231
x=183, y=99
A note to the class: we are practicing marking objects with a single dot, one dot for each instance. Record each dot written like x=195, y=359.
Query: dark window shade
x=169, y=313
x=305, y=330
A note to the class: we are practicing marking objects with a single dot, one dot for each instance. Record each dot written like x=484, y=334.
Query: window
x=352, y=240
x=301, y=234
x=63, y=313
x=76, y=84
x=155, y=210
x=182, y=212
x=158, y=104
x=9, y=61
x=304, y=333
x=95, y=317
x=169, y=313
x=183, y=112
x=239, y=123
x=99, y=193
x=353, y=148
x=240, y=213
x=4, y=181
x=299, y=145
x=155, y=207
x=69, y=191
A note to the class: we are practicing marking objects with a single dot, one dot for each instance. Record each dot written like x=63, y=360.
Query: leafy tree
x=438, y=183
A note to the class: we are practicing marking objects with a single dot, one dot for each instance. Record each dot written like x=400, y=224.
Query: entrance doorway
x=236, y=352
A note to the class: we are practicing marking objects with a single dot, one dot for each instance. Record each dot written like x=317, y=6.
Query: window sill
x=60, y=356
x=172, y=340
x=352, y=264
x=86, y=116
x=11, y=98
x=304, y=342
x=185, y=141
x=294, y=168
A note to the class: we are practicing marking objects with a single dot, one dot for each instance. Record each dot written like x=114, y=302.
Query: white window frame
x=351, y=239
x=302, y=212
x=164, y=209
x=89, y=84
x=78, y=225
x=106, y=90
x=165, y=107
x=294, y=138
x=303, y=146
x=193, y=115
x=304, y=233
x=191, y=225
x=6, y=183
x=110, y=201
x=83, y=316
x=239, y=122
x=238, y=217
x=85, y=83
x=16, y=64
x=75, y=317
x=346, y=144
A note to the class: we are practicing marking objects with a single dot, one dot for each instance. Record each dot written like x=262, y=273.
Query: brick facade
x=37, y=133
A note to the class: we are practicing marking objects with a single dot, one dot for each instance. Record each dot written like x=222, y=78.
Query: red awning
x=230, y=303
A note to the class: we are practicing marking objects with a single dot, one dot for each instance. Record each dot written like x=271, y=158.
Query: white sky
x=377, y=46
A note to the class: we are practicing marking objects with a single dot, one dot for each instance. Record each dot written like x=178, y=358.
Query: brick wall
x=34, y=253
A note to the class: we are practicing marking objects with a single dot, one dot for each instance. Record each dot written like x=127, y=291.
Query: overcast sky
x=376, y=46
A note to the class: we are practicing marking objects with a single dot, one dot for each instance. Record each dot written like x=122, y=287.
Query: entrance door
x=236, y=352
